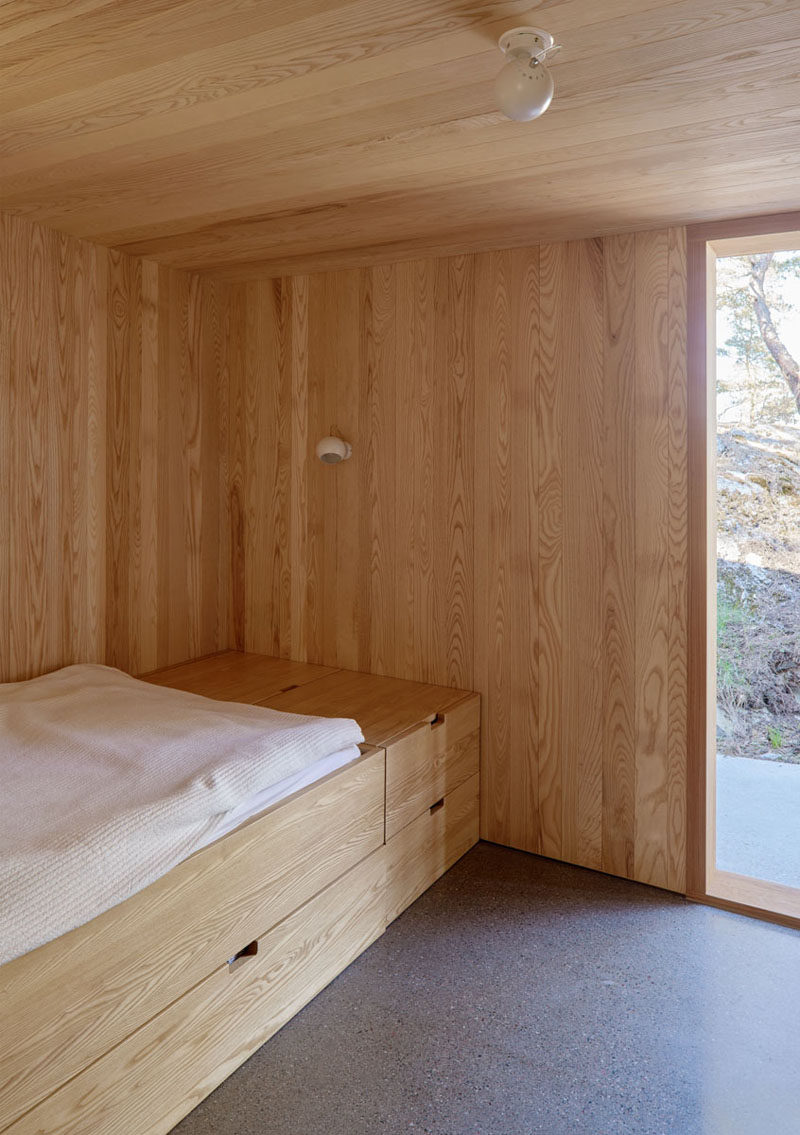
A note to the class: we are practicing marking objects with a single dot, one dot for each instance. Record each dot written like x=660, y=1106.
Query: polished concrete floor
x=522, y=996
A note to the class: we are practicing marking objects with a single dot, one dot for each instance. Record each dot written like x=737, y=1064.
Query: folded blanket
x=107, y=782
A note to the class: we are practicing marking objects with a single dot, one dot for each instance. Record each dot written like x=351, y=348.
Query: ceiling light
x=524, y=88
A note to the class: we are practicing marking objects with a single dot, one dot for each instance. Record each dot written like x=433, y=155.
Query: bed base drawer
x=430, y=761
x=155, y=1077
x=67, y=1003
x=430, y=845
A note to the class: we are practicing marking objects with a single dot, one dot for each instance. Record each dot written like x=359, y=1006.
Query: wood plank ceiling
x=256, y=138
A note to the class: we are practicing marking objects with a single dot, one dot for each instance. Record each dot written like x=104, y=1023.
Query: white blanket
x=107, y=782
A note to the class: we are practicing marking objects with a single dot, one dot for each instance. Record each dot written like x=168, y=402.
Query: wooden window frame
x=704, y=882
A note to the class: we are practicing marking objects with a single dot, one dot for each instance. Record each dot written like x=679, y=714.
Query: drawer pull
x=435, y=807
x=437, y=721
x=248, y=951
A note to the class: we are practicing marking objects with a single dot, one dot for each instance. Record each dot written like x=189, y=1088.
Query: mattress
x=109, y=782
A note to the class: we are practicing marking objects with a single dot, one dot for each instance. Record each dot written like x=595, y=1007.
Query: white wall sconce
x=524, y=88
x=331, y=450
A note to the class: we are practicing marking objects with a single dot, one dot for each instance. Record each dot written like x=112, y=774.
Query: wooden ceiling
x=254, y=137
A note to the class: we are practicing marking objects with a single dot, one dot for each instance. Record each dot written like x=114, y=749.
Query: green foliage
x=775, y=737
x=730, y=614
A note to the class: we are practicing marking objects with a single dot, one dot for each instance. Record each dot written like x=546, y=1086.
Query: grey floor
x=758, y=819
x=520, y=995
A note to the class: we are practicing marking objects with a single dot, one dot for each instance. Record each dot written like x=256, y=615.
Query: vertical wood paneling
x=378, y=465
x=524, y=563
x=494, y=377
x=652, y=565
x=455, y=438
x=284, y=300
x=115, y=541
x=513, y=519
x=619, y=543
x=334, y=353
x=143, y=605
x=261, y=416
x=582, y=645
x=677, y=692
x=237, y=455
x=506, y=536
x=298, y=524
x=342, y=619
x=415, y=416
x=554, y=313
x=122, y=300
x=51, y=547
x=33, y=516
x=319, y=425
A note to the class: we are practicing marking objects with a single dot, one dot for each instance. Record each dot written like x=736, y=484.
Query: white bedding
x=107, y=782
x=267, y=797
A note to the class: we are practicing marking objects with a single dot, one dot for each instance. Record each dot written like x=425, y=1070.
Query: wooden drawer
x=156, y=1076
x=430, y=845
x=430, y=760
x=65, y=1004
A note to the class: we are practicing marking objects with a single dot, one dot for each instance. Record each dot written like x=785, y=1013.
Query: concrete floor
x=758, y=819
x=523, y=996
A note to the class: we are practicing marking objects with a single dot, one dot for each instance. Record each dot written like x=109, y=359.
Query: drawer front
x=66, y=1003
x=156, y=1076
x=429, y=761
x=430, y=845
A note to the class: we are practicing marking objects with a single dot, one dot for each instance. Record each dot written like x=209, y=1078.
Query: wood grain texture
x=107, y=1005
x=52, y=419
x=231, y=676
x=513, y=520
x=651, y=510
x=77, y=997
x=555, y=331
x=619, y=534
x=159, y=1072
x=276, y=138
x=582, y=642
x=115, y=539
x=430, y=845
x=384, y=707
x=429, y=761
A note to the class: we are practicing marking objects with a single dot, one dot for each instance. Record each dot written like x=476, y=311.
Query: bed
x=124, y=1023
x=109, y=782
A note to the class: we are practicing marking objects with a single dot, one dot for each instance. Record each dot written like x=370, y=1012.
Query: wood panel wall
x=114, y=536
x=513, y=519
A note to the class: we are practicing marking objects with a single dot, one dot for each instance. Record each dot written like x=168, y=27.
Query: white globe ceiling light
x=524, y=88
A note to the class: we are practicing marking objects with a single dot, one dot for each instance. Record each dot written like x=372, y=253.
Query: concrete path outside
x=758, y=819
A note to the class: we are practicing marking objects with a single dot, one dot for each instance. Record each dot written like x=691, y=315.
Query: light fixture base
x=525, y=43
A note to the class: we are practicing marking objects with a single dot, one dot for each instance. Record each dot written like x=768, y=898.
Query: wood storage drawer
x=159, y=1073
x=430, y=845
x=429, y=761
x=67, y=1003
